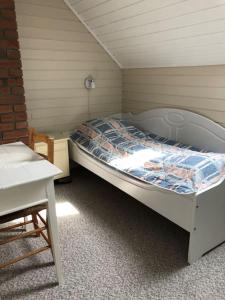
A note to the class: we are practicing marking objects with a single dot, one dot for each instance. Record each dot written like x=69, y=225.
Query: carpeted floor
x=115, y=248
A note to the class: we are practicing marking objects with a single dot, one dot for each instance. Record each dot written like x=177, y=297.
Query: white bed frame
x=203, y=214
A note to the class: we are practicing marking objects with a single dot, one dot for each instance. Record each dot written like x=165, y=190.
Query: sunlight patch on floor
x=65, y=209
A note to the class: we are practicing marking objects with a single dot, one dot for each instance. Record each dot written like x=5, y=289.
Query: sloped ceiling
x=157, y=33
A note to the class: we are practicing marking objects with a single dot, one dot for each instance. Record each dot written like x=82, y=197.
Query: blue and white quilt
x=150, y=158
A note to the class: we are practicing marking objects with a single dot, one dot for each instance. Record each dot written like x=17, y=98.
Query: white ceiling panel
x=156, y=33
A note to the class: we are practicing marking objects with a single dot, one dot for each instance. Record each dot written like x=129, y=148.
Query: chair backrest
x=35, y=137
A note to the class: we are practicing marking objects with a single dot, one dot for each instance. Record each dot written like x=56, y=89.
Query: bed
x=201, y=214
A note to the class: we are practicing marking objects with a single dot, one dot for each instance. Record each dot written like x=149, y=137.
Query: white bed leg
x=194, y=249
x=208, y=227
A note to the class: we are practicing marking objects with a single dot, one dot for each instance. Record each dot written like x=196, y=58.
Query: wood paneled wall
x=199, y=89
x=158, y=33
x=57, y=54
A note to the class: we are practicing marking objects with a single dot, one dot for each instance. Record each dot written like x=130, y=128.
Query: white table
x=26, y=179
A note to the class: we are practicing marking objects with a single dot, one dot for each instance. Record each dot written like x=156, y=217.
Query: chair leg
x=25, y=226
x=35, y=223
x=48, y=231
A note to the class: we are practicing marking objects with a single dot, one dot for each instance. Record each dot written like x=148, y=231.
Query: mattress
x=166, y=164
x=80, y=155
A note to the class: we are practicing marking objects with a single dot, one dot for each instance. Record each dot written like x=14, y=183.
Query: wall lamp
x=89, y=82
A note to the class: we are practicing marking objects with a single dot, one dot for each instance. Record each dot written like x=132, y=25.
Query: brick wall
x=13, y=118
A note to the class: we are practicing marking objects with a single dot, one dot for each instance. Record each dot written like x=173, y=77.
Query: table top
x=20, y=165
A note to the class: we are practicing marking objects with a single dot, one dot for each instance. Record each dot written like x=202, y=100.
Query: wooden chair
x=35, y=137
x=33, y=211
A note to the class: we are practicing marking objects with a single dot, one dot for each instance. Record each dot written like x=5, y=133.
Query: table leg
x=53, y=229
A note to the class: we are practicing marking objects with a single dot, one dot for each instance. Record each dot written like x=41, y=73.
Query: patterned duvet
x=150, y=158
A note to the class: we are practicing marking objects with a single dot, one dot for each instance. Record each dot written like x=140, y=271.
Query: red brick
x=8, y=14
x=7, y=4
x=15, y=82
x=3, y=73
x=12, y=99
x=13, y=117
x=13, y=54
x=21, y=116
x=4, y=91
x=20, y=107
x=10, y=63
x=2, y=53
x=15, y=72
x=25, y=140
x=15, y=134
x=11, y=34
x=5, y=109
x=8, y=141
x=8, y=24
x=8, y=118
x=12, y=82
x=6, y=126
x=9, y=44
x=21, y=125
x=17, y=90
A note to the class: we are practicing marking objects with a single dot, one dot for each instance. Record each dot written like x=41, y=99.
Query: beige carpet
x=114, y=248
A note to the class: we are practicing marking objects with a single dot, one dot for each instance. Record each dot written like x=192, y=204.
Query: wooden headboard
x=181, y=125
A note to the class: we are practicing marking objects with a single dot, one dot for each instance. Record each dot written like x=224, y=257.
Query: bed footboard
x=203, y=216
x=209, y=223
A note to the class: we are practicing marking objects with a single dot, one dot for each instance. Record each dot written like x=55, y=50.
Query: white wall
x=57, y=54
x=199, y=89
x=158, y=33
